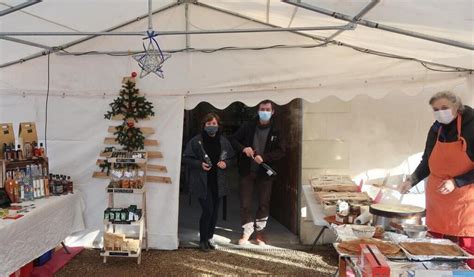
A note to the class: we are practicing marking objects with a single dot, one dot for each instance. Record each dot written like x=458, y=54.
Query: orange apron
x=450, y=214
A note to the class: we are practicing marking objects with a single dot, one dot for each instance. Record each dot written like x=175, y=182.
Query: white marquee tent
x=222, y=52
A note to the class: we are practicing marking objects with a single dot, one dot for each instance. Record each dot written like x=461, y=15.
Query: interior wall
x=367, y=139
x=76, y=130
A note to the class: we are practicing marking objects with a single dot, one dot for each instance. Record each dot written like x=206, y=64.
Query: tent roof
x=447, y=20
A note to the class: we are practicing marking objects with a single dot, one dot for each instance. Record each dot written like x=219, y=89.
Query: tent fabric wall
x=82, y=86
x=76, y=130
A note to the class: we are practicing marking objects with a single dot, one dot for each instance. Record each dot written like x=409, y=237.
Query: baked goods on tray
x=432, y=249
x=352, y=247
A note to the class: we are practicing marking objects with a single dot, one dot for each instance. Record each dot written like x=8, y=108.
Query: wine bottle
x=207, y=160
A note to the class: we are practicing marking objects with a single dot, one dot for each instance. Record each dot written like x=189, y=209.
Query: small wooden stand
x=142, y=223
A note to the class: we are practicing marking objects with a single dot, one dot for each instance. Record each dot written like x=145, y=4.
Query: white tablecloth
x=40, y=230
x=314, y=209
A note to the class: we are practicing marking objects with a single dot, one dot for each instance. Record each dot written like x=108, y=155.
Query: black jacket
x=193, y=158
x=449, y=133
x=274, y=147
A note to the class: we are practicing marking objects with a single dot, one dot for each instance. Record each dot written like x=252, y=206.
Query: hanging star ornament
x=152, y=60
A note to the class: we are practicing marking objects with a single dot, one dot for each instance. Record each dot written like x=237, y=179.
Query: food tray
x=399, y=256
x=433, y=257
x=339, y=183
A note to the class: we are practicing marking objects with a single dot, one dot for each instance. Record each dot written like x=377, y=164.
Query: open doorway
x=283, y=224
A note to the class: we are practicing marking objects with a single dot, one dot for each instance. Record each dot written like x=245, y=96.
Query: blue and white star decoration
x=153, y=58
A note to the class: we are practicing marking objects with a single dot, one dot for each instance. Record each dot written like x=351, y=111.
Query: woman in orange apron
x=448, y=161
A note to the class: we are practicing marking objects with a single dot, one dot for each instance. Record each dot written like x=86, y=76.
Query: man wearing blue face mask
x=260, y=143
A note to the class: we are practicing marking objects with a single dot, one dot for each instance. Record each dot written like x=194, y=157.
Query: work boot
x=244, y=239
x=260, y=238
x=203, y=246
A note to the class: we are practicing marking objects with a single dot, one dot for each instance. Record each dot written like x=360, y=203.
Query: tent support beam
x=171, y=33
x=19, y=7
x=293, y=14
x=72, y=43
x=186, y=23
x=357, y=17
x=376, y=25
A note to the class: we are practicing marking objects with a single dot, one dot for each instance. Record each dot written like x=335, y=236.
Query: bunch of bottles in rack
x=33, y=183
x=30, y=151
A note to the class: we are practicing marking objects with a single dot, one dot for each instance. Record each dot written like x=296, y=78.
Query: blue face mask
x=211, y=130
x=264, y=116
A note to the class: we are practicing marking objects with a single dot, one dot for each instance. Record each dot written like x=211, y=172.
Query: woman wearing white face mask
x=448, y=162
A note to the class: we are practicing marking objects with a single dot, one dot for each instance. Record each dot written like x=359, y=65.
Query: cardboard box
x=7, y=136
x=373, y=262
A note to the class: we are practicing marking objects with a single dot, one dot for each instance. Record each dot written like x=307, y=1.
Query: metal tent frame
x=353, y=21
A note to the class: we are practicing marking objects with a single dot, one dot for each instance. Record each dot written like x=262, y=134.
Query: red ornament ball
x=134, y=74
x=130, y=124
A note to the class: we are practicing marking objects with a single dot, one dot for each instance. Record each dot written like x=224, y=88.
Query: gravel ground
x=320, y=262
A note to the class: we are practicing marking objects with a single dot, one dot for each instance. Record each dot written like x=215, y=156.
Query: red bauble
x=130, y=124
x=134, y=74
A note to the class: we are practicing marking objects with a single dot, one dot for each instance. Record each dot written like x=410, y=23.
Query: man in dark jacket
x=259, y=142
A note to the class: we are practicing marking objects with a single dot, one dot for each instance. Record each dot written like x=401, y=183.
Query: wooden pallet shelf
x=100, y=175
x=105, y=154
x=156, y=168
x=155, y=155
x=158, y=179
x=147, y=142
x=120, y=117
x=145, y=130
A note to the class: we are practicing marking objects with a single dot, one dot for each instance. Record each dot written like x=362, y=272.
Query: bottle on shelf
x=19, y=153
x=45, y=178
x=41, y=150
x=70, y=187
x=10, y=187
x=5, y=151
x=21, y=186
x=28, y=151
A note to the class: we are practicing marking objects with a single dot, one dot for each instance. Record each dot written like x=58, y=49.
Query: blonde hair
x=451, y=97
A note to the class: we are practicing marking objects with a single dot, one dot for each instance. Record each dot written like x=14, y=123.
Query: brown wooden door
x=284, y=205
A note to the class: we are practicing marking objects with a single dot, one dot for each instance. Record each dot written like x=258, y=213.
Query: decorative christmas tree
x=132, y=107
x=128, y=109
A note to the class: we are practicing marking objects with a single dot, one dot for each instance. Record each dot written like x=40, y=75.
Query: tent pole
x=171, y=33
x=72, y=43
x=186, y=23
x=150, y=24
x=376, y=25
x=357, y=17
x=19, y=7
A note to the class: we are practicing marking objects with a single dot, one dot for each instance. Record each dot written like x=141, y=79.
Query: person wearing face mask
x=259, y=141
x=448, y=162
x=207, y=157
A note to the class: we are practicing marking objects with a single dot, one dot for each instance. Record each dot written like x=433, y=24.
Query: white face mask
x=444, y=116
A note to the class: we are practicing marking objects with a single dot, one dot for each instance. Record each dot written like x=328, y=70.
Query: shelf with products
x=127, y=176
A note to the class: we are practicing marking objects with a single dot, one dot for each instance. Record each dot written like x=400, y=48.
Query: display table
x=40, y=230
x=315, y=212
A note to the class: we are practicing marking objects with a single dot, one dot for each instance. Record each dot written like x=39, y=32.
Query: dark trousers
x=263, y=185
x=210, y=208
